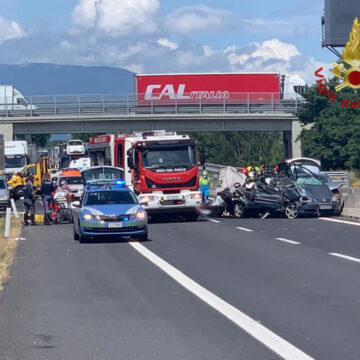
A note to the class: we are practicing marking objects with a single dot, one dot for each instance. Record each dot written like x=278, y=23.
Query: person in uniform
x=29, y=202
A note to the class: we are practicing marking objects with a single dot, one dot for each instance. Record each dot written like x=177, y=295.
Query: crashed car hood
x=317, y=191
x=334, y=185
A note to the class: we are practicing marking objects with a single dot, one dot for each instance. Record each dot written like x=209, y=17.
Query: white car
x=75, y=147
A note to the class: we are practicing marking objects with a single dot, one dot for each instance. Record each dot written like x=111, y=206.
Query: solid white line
x=274, y=342
x=340, y=221
x=345, y=257
x=289, y=241
x=214, y=221
x=244, y=229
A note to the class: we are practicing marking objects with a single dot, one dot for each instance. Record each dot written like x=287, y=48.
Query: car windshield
x=75, y=143
x=169, y=157
x=102, y=174
x=109, y=198
x=72, y=180
x=15, y=161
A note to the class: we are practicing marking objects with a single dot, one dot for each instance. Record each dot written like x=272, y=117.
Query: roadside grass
x=8, y=246
x=354, y=176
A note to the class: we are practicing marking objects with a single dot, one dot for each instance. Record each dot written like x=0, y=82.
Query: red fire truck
x=161, y=167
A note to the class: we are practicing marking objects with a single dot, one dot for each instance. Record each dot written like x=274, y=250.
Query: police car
x=109, y=209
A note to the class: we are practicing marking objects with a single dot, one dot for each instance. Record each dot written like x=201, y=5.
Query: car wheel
x=291, y=211
x=191, y=217
x=75, y=234
x=82, y=238
x=143, y=237
x=239, y=210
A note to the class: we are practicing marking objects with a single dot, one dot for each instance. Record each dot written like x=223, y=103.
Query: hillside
x=50, y=79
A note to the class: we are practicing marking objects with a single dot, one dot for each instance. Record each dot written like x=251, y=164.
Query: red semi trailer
x=218, y=86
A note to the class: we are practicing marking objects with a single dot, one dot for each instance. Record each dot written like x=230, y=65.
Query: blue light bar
x=120, y=182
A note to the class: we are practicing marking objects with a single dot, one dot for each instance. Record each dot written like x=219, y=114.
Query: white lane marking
x=274, y=342
x=289, y=241
x=340, y=221
x=345, y=257
x=244, y=229
x=214, y=221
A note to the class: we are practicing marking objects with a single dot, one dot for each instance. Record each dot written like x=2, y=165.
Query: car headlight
x=196, y=196
x=140, y=215
x=4, y=197
x=87, y=217
x=147, y=198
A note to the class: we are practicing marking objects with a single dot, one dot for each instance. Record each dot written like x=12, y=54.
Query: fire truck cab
x=161, y=167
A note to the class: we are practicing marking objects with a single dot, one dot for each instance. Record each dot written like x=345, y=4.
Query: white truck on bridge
x=11, y=99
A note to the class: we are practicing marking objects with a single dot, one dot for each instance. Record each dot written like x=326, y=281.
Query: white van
x=12, y=99
x=75, y=147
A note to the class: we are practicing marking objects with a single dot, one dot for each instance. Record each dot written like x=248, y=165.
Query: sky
x=162, y=36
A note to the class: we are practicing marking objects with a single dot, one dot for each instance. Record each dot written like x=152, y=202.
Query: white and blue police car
x=109, y=209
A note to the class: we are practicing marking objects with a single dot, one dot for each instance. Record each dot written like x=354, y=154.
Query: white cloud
x=10, y=30
x=167, y=43
x=197, y=18
x=116, y=17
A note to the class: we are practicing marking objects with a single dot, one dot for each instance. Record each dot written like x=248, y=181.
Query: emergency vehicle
x=161, y=167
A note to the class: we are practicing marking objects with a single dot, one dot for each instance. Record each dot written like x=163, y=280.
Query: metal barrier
x=136, y=104
x=339, y=176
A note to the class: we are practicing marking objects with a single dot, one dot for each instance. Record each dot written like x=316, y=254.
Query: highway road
x=221, y=289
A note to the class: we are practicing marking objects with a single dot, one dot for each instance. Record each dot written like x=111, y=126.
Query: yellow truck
x=36, y=171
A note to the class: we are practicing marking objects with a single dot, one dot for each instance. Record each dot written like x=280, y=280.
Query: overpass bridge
x=119, y=113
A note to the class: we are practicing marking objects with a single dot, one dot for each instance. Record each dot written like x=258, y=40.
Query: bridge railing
x=128, y=104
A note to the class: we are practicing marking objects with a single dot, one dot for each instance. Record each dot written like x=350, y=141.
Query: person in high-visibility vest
x=205, y=185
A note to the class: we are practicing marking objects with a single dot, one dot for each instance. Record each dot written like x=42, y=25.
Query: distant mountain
x=50, y=79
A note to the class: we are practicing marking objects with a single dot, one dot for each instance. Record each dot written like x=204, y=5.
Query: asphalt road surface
x=221, y=289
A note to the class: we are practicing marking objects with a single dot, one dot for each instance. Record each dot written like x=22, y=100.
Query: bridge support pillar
x=295, y=142
x=292, y=146
x=7, y=130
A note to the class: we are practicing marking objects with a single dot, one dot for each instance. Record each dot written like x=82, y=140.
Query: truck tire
x=19, y=192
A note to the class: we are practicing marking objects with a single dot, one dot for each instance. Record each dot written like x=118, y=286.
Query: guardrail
x=132, y=104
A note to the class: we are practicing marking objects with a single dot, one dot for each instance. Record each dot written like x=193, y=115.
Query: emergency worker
x=205, y=185
x=29, y=202
x=47, y=193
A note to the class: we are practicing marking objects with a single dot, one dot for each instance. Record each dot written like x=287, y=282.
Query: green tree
x=40, y=140
x=332, y=133
x=84, y=137
x=241, y=148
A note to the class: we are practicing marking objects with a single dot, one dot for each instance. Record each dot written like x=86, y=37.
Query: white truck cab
x=12, y=99
x=16, y=156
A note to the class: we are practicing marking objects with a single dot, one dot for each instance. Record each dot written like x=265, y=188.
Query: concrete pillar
x=287, y=144
x=296, y=144
x=7, y=130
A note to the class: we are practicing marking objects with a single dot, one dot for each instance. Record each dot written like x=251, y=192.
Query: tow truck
x=160, y=167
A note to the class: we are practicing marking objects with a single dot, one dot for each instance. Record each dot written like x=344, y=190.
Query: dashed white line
x=244, y=229
x=340, y=221
x=214, y=221
x=274, y=342
x=288, y=241
x=345, y=257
